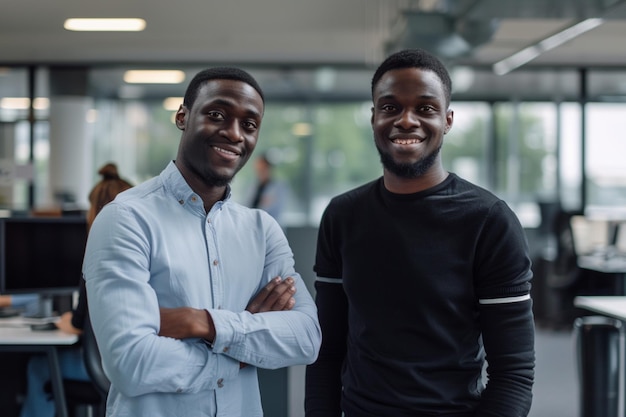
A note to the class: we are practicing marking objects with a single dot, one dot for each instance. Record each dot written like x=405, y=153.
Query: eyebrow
x=232, y=103
x=430, y=97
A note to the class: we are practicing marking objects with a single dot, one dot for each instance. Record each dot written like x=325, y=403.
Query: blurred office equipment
x=555, y=269
x=602, y=356
x=16, y=336
x=600, y=347
x=600, y=241
x=42, y=256
x=578, y=257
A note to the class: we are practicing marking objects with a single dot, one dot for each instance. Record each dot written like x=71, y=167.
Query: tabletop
x=615, y=264
x=612, y=306
x=17, y=331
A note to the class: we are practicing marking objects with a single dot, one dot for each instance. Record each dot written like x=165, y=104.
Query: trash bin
x=599, y=345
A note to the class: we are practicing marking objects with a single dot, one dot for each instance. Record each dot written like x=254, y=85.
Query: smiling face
x=409, y=119
x=220, y=133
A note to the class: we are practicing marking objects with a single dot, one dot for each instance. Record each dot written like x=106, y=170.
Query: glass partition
x=605, y=150
x=317, y=128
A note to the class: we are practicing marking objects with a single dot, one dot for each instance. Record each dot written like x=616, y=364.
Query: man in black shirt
x=422, y=277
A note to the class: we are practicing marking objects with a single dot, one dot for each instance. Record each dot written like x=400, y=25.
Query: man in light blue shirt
x=189, y=292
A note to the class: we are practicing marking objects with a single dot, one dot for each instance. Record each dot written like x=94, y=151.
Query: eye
x=426, y=109
x=388, y=108
x=213, y=114
x=249, y=125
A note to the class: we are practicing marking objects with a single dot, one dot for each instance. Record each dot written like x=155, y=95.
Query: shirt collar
x=177, y=186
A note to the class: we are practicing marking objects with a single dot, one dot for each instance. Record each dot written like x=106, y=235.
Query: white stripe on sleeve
x=504, y=300
x=329, y=280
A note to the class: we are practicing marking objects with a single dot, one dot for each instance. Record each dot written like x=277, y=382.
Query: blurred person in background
x=269, y=194
x=39, y=403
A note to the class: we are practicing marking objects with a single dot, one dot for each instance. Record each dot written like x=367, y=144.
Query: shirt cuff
x=210, y=320
x=229, y=331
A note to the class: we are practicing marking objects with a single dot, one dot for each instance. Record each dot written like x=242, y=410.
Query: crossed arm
x=186, y=322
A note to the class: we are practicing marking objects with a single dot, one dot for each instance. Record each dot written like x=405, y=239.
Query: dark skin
x=219, y=134
x=184, y=322
x=410, y=117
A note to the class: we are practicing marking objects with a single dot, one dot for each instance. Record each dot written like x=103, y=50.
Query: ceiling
x=294, y=35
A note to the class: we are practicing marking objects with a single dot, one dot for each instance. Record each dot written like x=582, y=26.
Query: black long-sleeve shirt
x=412, y=291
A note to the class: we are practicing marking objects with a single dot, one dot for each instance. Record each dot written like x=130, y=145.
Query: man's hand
x=186, y=322
x=277, y=295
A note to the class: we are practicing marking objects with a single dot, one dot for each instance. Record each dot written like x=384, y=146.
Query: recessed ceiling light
x=23, y=103
x=41, y=103
x=154, y=76
x=172, y=103
x=91, y=116
x=301, y=129
x=15, y=103
x=105, y=25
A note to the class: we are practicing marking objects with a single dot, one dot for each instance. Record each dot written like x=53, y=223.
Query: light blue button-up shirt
x=155, y=246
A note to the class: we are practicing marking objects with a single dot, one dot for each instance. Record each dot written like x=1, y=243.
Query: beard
x=408, y=170
x=208, y=176
x=212, y=179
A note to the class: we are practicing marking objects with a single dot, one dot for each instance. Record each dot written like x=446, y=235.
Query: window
x=606, y=147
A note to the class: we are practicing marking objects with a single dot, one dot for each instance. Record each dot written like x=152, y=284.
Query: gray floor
x=556, y=379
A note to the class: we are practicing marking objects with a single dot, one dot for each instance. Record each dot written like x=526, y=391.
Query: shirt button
x=194, y=198
x=220, y=383
x=225, y=349
x=179, y=390
x=215, y=262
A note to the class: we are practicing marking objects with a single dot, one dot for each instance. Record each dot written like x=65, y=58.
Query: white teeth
x=224, y=151
x=406, y=141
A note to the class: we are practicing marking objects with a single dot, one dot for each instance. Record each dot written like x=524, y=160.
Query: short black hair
x=218, y=73
x=415, y=58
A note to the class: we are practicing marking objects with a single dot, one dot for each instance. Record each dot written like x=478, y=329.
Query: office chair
x=93, y=361
x=91, y=394
x=560, y=273
x=565, y=271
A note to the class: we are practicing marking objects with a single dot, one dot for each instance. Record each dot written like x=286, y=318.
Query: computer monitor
x=42, y=256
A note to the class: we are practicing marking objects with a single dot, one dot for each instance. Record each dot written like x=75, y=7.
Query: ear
x=372, y=118
x=449, y=121
x=181, y=117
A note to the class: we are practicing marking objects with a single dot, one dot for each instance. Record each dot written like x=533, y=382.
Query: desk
x=16, y=336
x=613, y=306
x=613, y=264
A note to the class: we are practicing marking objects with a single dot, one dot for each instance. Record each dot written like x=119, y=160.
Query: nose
x=407, y=119
x=232, y=132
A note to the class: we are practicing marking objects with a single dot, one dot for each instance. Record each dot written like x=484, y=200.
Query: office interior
x=539, y=99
